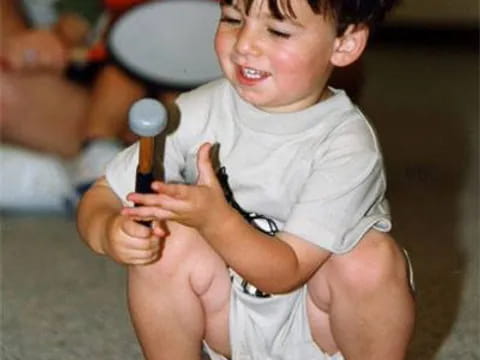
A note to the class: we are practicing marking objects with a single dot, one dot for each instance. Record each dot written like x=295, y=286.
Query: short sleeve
x=183, y=138
x=121, y=171
x=174, y=160
x=344, y=196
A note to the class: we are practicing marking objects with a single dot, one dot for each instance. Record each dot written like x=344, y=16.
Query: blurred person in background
x=63, y=108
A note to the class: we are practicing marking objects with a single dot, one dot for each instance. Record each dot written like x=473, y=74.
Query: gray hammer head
x=147, y=117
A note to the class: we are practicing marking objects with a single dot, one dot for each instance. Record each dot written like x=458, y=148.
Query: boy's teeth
x=252, y=73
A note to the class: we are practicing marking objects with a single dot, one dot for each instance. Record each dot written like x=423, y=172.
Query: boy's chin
x=254, y=101
x=253, y=96
x=259, y=97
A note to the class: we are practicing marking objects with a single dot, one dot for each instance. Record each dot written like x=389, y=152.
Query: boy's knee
x=173, y=257
x=153, y=273
x=374, y=263
x=185, y=258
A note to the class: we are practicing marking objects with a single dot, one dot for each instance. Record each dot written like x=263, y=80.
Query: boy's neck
x=326, y=94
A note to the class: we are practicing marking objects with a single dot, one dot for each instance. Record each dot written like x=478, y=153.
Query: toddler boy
x=282, y=252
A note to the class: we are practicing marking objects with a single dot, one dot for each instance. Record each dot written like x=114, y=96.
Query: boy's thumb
x=206, y=174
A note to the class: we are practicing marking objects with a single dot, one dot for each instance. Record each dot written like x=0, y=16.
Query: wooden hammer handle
x=146, y=157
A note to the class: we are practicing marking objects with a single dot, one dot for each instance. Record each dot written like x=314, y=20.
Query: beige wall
x=444, y=12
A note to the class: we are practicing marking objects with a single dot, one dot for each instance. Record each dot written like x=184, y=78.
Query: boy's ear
x=350, y=45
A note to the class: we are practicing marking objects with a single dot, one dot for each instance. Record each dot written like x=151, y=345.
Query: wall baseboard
x=438, y=35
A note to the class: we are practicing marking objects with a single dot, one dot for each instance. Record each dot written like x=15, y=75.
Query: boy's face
x=276, y=65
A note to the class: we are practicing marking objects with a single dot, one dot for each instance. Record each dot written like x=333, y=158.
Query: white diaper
x=273, y=328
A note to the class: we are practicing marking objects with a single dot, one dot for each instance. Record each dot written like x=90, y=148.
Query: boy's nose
x=247, y=42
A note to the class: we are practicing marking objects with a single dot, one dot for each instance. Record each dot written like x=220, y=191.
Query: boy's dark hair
x=344, y=12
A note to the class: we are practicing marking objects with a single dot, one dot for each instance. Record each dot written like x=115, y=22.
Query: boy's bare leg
x=360, y=303
x=181, y=299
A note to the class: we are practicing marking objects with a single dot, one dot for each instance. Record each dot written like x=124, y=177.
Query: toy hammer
x=147, y=118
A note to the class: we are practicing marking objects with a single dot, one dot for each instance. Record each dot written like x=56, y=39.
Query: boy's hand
x=201, y=206
x=128, y=242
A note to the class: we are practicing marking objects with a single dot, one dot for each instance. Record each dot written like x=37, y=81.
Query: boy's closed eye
x=279, y=33
x=235, y=21
x=230, y=20
x=284, y=27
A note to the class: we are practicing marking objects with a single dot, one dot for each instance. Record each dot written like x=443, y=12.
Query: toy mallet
x=147, y=118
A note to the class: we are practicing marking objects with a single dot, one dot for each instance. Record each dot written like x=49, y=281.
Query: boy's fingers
x=143, y=261
x=149, y=212
x=142, y=244
x=155, y=243
x=177, y=191
x=159, y=231
x=163, y=193
x=143, y=250
x=204, y=164
x=139, y=254
x=133, y=228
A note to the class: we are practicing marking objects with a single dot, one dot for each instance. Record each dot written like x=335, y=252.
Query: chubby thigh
x=203, y=271
x=191, y=275
x=235, y=324
x=181, y=299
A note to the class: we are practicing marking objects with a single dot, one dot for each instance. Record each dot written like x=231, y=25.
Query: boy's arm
x=98, y=207
x=107, y=231
x=273, y=264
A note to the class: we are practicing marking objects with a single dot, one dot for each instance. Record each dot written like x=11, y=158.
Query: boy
x=323, y=280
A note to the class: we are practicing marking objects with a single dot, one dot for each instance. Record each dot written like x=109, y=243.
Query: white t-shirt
x=317, y=173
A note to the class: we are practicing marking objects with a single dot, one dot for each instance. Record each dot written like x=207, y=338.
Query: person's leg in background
x=39, y=108
x=105, y=128
x=42, y=112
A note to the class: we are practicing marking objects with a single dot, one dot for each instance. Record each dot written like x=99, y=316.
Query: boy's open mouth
x=252, y=74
